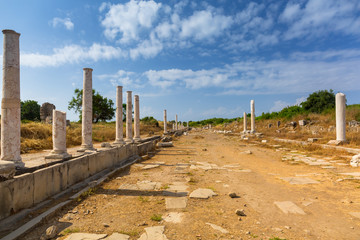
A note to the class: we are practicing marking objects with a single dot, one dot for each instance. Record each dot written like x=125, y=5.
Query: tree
x=319, y=101
x=30, y=110
x=102, y=107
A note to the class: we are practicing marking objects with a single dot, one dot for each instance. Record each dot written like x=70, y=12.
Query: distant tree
x=150, y=121
x=319, y=101
x=102, y=107
x=30, y=110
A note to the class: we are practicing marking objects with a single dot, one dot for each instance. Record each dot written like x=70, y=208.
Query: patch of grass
x=143, y=199
x=166, y=186
x=212, y=188
x=86, y=194
x=276, y=238
x=189, y=174
x=192, y=181
x=156, y=217
x=69, y=231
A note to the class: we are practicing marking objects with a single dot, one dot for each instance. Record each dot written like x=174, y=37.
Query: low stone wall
x=27, y=190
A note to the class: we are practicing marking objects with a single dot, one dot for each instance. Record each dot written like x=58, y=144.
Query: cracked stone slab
x=202, y=193
x=143, y=185
x=175, y=203
x=178, y=186
x=117, y=236
x=173, y=217
x=289, y=207
x=299, y=180
x=85, y=236
x=154, y=233
x=216, y=227
x=355, y=214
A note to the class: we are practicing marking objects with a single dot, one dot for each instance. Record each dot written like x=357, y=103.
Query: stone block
x=6, y=198
x=60, y=172
x=302, y=123
x=44, y=184
x=23, y=195
x=78, y=169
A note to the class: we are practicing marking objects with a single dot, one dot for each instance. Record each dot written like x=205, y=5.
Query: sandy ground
x=220, y=163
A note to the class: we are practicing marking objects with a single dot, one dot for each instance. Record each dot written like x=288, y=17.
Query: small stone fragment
x=240, y=212
x=233, y=195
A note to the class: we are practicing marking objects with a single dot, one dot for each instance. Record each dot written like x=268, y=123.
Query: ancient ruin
x=119, y=138
x=252, y=106
x=129, y=135
x=136, y=118
x=46, y=112
x=165, y=122
x=340, y=101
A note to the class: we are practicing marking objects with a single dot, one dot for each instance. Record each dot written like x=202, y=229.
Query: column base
x=119, y=142
x=7, y=170
x=128, y=140
x=85, y=147
x=136, y=140
x=58, y=155
x=252, y=131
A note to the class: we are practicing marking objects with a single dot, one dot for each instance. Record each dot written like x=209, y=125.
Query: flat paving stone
x=355, y=214
x=117, y=236
x=354, y=174
x=202, y=193
x=154, y=233
x=328, y=167
x=175, y=203
x=143, y=185
x=289, y=207
x=216, y=227
x=178, y=186
x=85, y=236
x=173, y=217
x=299, y=180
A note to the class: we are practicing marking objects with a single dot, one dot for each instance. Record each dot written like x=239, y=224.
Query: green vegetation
x=319, y=101
x=69, y=231
x=150, y=121
x=102, y=107
x=30, y=110
x=212, y=121
x=156, y=217
x=276, y=238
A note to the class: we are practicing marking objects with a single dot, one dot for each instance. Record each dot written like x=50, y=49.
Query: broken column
x=187, y=124
x=176, y=123
x=340, y=101
x=119, y=117
x=165, y=122
x=10, y=106
x=59, y=136
x=245, y=122
x=87, y=112
x=129, y=136
x=252, y=106
x=136, y=118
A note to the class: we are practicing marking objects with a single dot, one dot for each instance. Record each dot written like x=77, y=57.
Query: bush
x=319, y=101
x=150, y=121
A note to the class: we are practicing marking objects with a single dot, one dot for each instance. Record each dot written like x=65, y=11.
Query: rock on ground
x=203, y=193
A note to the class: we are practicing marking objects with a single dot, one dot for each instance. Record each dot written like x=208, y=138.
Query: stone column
x=340, y=100
x=176, y=123
x=165, y=122
x=87, y=112
x=252, y=106
x=136, y=118
x=129, y=136
x=10, y=106
x=119, y=140
x=245, y=122
x=187, y=124
x=173, y=126
x=59, y=136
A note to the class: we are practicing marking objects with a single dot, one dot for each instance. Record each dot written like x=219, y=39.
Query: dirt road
x=281, y=199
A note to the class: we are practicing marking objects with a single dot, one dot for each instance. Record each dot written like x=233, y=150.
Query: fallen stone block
x=165, y=144
x=202, y=193
x=85, y=236
x=355, y=161
x=289, y=207
x=216, y=227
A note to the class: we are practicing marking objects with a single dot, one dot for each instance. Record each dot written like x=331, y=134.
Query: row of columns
x=252, y=109
x=176, y=126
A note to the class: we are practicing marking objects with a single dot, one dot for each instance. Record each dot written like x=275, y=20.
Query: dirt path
x=136, y=198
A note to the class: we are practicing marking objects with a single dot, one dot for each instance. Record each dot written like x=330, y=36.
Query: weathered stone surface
x=202, y=193
x=86, y=236
x=173, y=217
x=154, y=233
x=240, y=212
x=129, y=136
x=289, y=207
x=7, y=169
x=117, y=236
x=175, y=203
x=302, y=123
x=252, y=107
x=165, y=144
x=354, y=174
x=312, y=140
x=46, y=112
x=355, y=161
x=106, y=145
x=335, y=142
x=233, y=195
x=218, y=228
x=340, y=102
x=299, y=180
x=355, y=214
x=165, y=122
x=136, y=118
x=119, y=139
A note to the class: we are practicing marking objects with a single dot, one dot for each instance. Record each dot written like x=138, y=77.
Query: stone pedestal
x=176, y=122
x=136, y=118
x=252, y=106
x=59, y=137
x=119, y=138
x=245, y=122
x=340, y=101
x=10, y=105
x=129, y=136
x=87, y=112
x=165, y=122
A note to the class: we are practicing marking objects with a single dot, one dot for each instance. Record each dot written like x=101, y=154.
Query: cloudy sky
x=199, y=59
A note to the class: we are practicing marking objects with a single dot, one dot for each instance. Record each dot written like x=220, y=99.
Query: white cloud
x=129, y=19
x=66, y=22
x=204, y=24
x=72, y=54
x=300, y=100
x=148, y=48
x=291, y=12
x=278, y=106
x=222, y=112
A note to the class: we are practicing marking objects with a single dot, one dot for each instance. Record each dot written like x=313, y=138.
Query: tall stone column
x=59, y=136
x=252, y=106
x=340, y=101
x=187, y=124
x=87, y=112
x=176, y=122
x=165, y=122
x=129, y=136
x=119, y=138
x=10, y=106
x=136, y=118
x=245, y=122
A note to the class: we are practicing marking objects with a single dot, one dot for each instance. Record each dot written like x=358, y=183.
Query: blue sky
x=197, y=59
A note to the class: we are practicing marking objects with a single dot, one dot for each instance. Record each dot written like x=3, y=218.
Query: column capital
x=9, y=31
x=88, y=69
